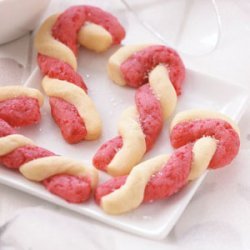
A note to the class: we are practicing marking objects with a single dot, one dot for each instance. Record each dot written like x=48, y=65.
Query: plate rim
x=157, y=234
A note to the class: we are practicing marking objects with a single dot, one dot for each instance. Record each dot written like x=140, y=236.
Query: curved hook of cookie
x=158, y=73
x=188, y=126
x=203, y=139
x=57, y=43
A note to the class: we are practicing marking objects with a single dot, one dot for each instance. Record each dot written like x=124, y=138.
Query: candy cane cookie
x=64, y=177
x=202, y=139
x=20, y=106
x=57, y=44
x=158, y=73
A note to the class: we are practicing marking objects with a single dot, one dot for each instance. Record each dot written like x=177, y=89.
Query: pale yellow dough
x=43, y=168
x=163, y=89
x=131, y=194
x=11, y=142
x=77, y=97
x=134, y=146
x=198, y=114
x=94, y=37
x=10, y=92
x=203, y=151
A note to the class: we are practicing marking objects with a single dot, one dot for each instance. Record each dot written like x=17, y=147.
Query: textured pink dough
x=6, y=129
x=109, y=187
x=135, y=69
x=74, y=189
x=106, y=153
x=66, y=31
x=172, y=177
x=107, y=21
x=22, y=155
x=55, y=68
x=68, y=25
x=68, y=119
x=150, y=111
x=228, y=140
x=20, y=111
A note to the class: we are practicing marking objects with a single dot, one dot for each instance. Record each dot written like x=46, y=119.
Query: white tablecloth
x=219, y=214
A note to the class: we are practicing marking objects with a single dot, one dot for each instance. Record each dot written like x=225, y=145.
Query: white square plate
x=151, y=220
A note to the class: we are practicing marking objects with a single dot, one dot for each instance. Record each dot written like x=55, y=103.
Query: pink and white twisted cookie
x=65, y=177
x=158, y=73
x=69, y=179
x=203, y=139
x=57, y=44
